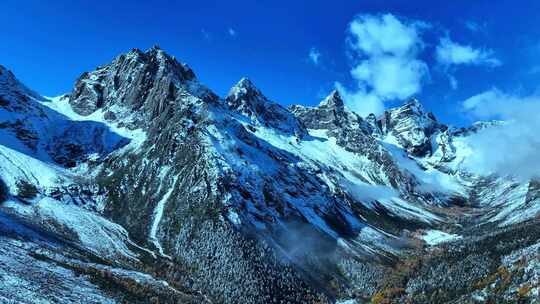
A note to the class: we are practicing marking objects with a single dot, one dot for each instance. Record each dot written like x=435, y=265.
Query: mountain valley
x=144, y=186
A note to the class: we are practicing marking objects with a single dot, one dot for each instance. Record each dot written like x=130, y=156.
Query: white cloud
x=512, y=147
x=361, y=102
x=391, y=77
x=231, y=32
x=388, y=67
x=385, y=34
x=451, y=53
x=314, y=56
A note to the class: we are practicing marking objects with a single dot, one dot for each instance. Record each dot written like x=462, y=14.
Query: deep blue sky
x=48, y=44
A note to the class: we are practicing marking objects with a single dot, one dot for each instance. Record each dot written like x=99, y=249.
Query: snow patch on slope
x=15, y=166
x=91, y=231
x=432, y=179
x=320, y=149
x=61, y=105
x=435, y=237
x=158, y=215
x=26, y=279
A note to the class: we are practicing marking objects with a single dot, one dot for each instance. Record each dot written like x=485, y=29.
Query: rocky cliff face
x=330, y=115
x=245, y=99
x=143, y=172
x=135, y=87
x=412, y=126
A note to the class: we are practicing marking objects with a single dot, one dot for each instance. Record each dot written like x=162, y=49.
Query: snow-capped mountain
x=159, y=191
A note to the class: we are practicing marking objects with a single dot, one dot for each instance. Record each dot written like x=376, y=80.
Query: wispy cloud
x=510, y=148
x=453, y=82
x=206, y=35
x=314, y=56
x=449, y=52
x=231, y=32
x=387, y=68
x=475, y=27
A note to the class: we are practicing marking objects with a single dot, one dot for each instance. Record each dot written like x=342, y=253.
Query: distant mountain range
x=144, y=186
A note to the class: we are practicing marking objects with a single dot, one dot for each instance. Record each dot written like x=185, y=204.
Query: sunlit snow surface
x=321, y=149
x=48, y=117
x=432, y=179
x=505, y=198
x=337, y=168
x=16, y=165
x=90, y=230
x=435, y=237
x=61, y=105
x=25, y=279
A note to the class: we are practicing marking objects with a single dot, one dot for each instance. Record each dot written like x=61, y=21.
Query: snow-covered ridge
x=404, y=130
x=412, y=126
x=246, y=99
x=40, y=150
x=42, y=138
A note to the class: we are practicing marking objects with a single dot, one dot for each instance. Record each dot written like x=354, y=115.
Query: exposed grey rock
x=412, y=126
x=142, y=83
x=247, y=100
x=330, y=115
x=360, y=136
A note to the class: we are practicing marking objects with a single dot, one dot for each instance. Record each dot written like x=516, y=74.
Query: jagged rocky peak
x=333, y=101
x=412, y=126
x=5, y=73
x=414, y=107
x=163, y=60
x=330, y=114
x=242, y=89
x=18, y=112
x=245, y=98
x=414, y=104
x=8, y=83
x=134, y=81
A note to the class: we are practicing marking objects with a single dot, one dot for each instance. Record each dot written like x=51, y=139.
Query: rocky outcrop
x=412, y=126
x=247, y=100
x=358, y=136
x=330, y=115
x=141, y=83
